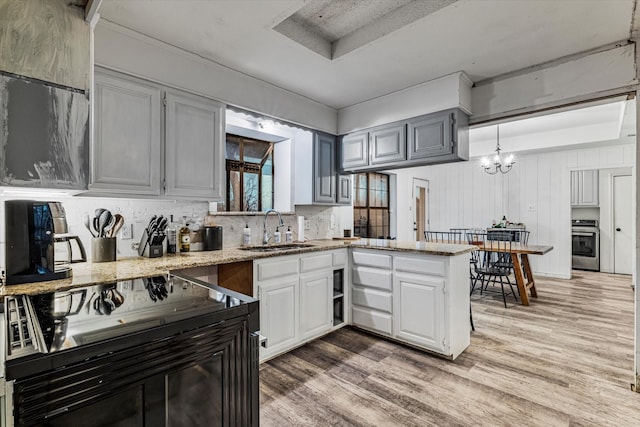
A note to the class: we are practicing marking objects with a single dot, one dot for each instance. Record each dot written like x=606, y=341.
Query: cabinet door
x=324, y=168
x=354, y=151
x=344, y=189
x=588, y=188
x=388, y=144
x=194, y=147
x=316, y=304
x=575, y=188
x=279, y=315
x=430, y=136
x=418, y=311
x=125, y=155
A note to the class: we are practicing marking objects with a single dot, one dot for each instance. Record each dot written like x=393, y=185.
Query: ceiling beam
x=91, y=9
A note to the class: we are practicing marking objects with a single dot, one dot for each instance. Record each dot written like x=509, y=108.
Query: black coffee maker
x=38, y=246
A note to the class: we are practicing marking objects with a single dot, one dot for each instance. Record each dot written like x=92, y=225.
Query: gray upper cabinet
x=344, y=190
x=430, y=139
x=324, y=168
x=430, y=136
x=126, y=146
x=136, y=152
x=388, y=144
x=193, y=146
x=354, y=150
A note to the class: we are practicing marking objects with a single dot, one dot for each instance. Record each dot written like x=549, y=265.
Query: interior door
x=622, y=225
x=420, y=204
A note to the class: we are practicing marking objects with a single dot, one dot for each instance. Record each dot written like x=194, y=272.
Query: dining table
x=522, y=268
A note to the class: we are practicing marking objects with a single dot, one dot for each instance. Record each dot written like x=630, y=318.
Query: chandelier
x=499, y=163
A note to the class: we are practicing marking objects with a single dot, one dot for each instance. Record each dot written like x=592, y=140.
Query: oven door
x=583, y=244
x=195, y=379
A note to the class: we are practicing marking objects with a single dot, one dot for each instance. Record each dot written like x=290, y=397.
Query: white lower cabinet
x=421, y=300
x=316, y=304
x=419, y=310
x=279, y=314
x=298, y=299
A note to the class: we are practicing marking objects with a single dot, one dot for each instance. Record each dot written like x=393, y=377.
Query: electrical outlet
x=126, y=232
x=127, y=285
x=307, y=224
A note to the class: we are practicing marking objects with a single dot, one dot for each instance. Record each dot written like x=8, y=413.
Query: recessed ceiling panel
x=333, y=28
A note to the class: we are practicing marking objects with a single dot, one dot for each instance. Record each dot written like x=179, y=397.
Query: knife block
x=145, y=249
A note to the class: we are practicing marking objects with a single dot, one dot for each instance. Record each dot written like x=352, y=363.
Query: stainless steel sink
x=276, y=248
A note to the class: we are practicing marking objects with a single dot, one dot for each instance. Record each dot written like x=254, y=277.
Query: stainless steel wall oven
x=585, y=244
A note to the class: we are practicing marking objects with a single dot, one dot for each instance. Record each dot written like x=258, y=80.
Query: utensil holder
x=148, y=250
x=103, y=249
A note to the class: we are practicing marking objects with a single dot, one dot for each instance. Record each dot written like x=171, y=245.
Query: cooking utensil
x=117, y=225
x=87, y=223
x=103, y=221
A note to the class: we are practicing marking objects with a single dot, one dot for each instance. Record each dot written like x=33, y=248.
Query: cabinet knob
x=618, y=229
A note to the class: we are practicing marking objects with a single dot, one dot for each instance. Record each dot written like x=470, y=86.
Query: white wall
x=451, y=91
x=536, y=192
x=124, y=50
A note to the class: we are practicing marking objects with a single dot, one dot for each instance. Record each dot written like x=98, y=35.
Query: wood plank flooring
x=566, y=360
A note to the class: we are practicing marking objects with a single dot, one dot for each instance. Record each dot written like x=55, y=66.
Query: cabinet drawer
x=372, y=278
x=371, y=298
x=316, y=262
x=422, y=265
x=340, y=258
x=280, y=268
x=372, y=259
x=372, y=320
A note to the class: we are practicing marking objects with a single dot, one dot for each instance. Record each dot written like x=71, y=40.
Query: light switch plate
x=126, y=232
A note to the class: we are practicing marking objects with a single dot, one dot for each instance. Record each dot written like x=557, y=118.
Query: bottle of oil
x=184, y=236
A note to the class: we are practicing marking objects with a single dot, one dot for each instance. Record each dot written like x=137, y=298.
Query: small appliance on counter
x=38, y=245
x=213, y=238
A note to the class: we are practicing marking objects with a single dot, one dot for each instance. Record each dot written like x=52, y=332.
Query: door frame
x=421, y=182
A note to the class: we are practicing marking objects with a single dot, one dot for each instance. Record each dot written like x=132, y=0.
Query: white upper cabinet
x=126, y=145
x=194, y=152
x=131, y=140
x=584, y=188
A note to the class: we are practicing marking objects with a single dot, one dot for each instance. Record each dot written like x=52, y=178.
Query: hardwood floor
x=566, y=360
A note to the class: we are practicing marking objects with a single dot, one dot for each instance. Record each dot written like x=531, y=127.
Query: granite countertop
x=87, y=273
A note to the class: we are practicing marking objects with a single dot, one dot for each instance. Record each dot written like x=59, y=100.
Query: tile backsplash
x=325, y=222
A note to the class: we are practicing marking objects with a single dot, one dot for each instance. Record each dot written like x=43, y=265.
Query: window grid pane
x=371, y=206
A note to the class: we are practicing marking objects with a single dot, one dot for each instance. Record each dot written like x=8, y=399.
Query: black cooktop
x=52, y=322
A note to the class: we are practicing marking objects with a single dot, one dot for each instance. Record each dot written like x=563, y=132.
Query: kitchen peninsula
x=414, y=292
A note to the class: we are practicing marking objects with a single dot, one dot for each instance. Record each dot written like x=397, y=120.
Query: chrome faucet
x=266, y=237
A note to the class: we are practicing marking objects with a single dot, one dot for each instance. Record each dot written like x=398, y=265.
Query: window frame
x=367, y=207
x=243, y=167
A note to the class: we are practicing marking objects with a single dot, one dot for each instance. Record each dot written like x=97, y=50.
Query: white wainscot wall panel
x=536, y=192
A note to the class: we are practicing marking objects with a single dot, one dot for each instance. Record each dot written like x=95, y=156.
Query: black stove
x=53, y=322
x=165, y=350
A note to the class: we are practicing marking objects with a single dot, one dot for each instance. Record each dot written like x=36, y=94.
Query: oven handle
x=575, y=233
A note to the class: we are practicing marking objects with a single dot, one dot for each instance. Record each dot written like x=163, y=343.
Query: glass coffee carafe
x=63, y=253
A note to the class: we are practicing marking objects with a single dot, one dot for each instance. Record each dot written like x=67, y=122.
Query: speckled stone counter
x=443, y=249
x=136, y=267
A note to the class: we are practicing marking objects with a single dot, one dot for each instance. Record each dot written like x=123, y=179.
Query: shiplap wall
x=536, y=192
